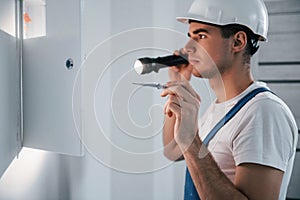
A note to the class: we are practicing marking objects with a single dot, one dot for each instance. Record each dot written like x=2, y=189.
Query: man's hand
x=184, y=103
x=182, y=72
x=176, y=73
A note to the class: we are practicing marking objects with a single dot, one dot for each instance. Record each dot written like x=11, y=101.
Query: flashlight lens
x=138, y=66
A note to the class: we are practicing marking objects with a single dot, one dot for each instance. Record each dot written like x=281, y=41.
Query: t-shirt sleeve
x=264, y=136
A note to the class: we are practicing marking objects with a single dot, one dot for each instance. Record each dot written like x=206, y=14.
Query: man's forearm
x=171, y=149
x=209, y=180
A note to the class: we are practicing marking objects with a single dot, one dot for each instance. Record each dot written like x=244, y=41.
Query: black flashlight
x=146, y=65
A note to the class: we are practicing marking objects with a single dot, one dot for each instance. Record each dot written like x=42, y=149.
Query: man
x=251, y=156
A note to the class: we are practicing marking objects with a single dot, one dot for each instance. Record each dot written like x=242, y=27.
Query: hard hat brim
x=186, y=19
x=199, y=19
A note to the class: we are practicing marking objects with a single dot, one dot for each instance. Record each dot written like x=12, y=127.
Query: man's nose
x=190, y=46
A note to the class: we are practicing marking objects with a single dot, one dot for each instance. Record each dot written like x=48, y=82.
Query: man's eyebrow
x=195, y=32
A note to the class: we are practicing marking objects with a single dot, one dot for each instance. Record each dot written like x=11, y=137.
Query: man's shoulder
x=268, y=101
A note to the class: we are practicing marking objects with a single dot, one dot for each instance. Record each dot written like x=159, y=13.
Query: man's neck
x=229, y=85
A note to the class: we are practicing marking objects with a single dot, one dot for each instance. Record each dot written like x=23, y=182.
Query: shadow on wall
x=27, y=173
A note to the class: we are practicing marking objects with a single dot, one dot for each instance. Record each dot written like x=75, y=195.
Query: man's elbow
x=171, y=155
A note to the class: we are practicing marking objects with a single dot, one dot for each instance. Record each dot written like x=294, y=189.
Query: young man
x=251, y=156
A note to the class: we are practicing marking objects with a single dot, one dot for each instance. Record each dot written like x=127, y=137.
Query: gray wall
x=279, y=65
x=9, y=86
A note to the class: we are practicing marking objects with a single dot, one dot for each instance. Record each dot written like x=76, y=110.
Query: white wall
x=43, y=175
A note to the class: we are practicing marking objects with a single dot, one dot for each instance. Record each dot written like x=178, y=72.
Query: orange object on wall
x=27, y=19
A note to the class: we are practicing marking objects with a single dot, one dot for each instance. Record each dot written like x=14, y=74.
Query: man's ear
x=239, y=41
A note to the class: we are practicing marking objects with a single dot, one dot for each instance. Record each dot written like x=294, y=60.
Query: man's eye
x=201, y=36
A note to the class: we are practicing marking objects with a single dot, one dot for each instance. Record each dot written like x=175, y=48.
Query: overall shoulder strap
x=190, y=192
x=231, y=113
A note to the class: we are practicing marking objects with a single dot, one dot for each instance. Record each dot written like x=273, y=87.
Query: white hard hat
x=250, y=13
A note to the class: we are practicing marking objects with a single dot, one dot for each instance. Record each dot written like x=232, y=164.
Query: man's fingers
x=173, y=108
x=174, y=68
x=186, y=85
x=172, y=99
x=176, y=52
x=183, y=51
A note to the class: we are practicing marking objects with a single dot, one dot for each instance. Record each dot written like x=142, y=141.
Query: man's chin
x=197, y=74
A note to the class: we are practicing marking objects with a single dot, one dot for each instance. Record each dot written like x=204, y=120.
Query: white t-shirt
x=264, y=131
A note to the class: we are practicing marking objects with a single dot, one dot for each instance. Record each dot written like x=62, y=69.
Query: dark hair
x=252, y=39
x=231, y=29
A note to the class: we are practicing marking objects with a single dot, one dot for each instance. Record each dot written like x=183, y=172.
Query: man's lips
x=194, y=61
